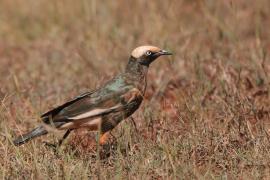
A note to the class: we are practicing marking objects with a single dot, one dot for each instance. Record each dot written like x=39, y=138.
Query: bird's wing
x=56, y=110
x=97, y=105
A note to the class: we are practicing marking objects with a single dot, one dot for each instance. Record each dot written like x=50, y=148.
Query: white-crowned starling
x=102, y=109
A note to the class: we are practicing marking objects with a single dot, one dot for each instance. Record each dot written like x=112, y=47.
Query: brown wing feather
x=59, y=108
x=93, y=105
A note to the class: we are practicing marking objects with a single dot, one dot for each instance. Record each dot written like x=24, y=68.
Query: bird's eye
x=148, y=53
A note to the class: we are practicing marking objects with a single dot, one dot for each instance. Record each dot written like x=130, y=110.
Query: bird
x=105, y=107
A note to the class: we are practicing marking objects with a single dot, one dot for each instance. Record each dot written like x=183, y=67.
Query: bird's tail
x=39, y=131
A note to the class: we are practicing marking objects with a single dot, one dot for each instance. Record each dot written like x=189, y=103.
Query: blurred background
x=207, y=106
x=87, y=39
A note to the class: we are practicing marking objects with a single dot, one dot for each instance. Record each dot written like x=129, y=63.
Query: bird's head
x=145, y=55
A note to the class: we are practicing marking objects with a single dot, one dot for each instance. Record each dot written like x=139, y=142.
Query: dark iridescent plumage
x=105, y=107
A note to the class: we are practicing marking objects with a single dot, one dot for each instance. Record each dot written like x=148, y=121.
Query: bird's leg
x=64, y=137
x=60, y=142
x=134, y=124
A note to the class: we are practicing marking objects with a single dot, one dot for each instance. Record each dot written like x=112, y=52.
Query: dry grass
x=206, y=114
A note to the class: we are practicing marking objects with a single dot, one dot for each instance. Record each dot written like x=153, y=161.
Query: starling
x=102, y=109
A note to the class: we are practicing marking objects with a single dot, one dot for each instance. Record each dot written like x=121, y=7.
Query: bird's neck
x=136, y=69
x=137, y=73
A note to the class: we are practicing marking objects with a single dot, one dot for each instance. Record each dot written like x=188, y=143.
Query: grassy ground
x=206, y=114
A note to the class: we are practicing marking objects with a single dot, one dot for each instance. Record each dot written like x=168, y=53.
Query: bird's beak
x=164, y=52
x=161, y=53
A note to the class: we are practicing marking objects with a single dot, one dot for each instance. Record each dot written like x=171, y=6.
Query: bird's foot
x=107, y=149
x=51, y=145
x=54, y=147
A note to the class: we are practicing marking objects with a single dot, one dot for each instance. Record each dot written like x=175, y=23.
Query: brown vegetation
x=206, y=113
